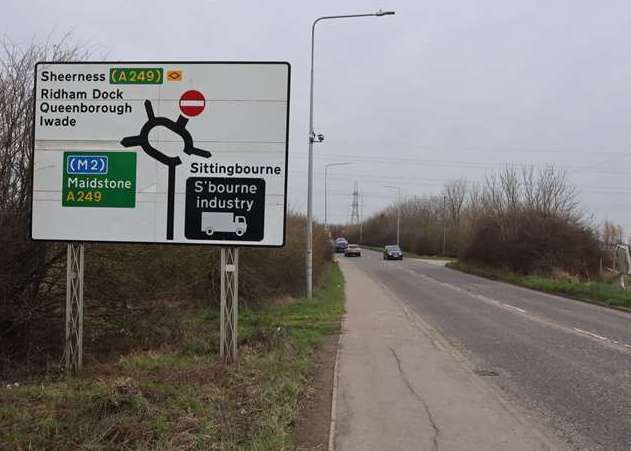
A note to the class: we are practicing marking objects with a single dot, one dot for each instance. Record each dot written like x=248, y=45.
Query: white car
x=353, y=250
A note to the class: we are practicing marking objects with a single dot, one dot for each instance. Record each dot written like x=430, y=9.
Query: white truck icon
x=215, y=221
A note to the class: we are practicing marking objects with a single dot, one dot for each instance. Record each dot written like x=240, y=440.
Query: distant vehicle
x=215, y=221
x=392, y=252
x=353, y=250
x=340, y=245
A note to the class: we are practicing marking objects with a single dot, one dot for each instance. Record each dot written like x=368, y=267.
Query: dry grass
x=180, y=396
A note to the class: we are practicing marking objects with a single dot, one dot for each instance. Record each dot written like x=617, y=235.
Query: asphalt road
x=565, y=362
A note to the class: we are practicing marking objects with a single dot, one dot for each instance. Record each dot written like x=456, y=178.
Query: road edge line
x=333, y=422
x=603, y=304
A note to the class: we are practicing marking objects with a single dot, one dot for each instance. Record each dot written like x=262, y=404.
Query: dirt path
x=314, y=420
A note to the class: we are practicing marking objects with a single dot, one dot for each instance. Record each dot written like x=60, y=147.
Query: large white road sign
x=161, y=152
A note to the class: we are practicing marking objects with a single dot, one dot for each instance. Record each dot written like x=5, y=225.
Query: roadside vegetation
x=179, y=395
x=131, y=294
x=131, y=291
x=152, y=378
x=604, y=290
x=521, y=225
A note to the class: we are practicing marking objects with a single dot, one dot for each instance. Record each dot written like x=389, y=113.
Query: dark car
x=392, y=252
x=340, y=245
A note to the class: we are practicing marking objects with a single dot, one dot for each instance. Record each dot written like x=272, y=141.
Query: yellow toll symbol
x=174, y=75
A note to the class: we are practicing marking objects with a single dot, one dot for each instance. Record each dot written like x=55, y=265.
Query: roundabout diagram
x=179, y=128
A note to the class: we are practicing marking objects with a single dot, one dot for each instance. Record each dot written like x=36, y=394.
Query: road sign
x=124, y=154
x=192, y=103
x=174, y=75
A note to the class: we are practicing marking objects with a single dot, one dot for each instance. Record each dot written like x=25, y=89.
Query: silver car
x=353, y=250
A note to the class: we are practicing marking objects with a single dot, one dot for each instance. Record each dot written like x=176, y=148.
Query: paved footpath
x=400, y=386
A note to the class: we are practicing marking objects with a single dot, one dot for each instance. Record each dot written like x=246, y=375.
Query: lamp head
x=384, y=13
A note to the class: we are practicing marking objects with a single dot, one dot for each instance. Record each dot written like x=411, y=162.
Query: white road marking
x=521, y=310
x=591, y=334
x=613, y=343
x=336, y=377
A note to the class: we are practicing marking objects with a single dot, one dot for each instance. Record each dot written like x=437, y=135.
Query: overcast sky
x=445, y=89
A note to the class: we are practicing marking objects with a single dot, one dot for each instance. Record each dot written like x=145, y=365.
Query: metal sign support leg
x=73, y=351
x=229, y=304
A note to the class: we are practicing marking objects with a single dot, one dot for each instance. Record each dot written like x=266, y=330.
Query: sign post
x=160, y=152
x=73, y=348
x=229, y=315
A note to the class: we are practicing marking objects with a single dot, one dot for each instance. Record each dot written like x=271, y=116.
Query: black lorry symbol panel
x=226, y=209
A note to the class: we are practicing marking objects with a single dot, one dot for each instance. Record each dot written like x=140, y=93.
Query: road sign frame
x=196, y=243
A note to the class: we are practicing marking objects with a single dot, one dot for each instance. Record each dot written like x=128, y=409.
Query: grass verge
x=594, y=291
x=182, y=396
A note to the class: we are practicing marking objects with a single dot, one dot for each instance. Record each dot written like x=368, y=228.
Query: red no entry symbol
x=192, y=103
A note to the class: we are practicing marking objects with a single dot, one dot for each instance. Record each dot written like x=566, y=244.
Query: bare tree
x=549, y=192
x=455, y=194
x=612, y=234
x=511, y=189
x=16, y=115
x=515, y=210
x=25, y=275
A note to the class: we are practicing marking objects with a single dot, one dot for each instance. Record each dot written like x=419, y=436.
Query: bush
x=529, y=242
x=524, y=219
x=130, y=290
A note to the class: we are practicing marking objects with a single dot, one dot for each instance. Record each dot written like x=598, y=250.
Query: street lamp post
x=444, y=225
x=319, y=138
x=398, y=188
x=326, y=170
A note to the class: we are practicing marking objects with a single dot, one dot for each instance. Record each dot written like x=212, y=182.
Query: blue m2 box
x=86, y=164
